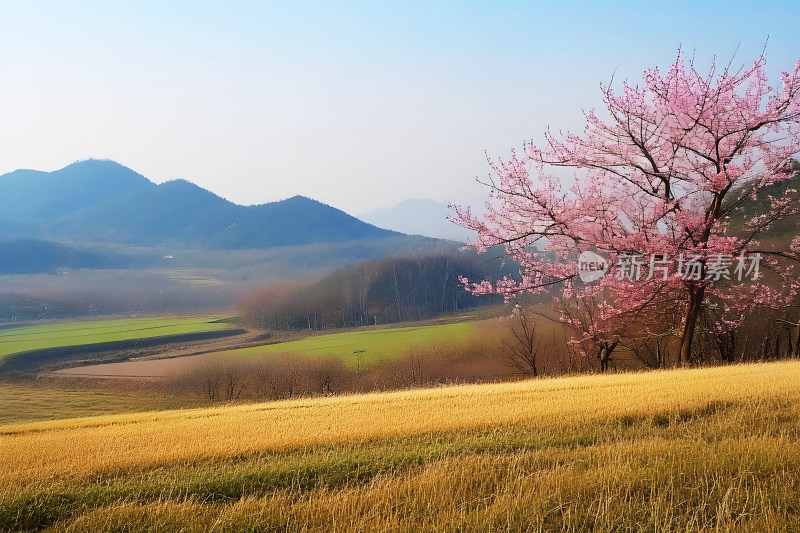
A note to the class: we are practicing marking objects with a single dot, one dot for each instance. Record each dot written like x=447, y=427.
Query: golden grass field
x=692, y=450
x=46, y=400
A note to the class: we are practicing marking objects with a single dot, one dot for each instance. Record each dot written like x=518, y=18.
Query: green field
x=26, y=339
x=378, y=343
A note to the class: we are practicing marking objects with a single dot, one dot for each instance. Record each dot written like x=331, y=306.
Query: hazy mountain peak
x=99, y=164
x=418, y=216
x=102, y=171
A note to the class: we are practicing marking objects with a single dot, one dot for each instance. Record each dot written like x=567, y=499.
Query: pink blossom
x=662, y=175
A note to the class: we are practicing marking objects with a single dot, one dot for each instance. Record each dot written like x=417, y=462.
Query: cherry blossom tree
x=658, y=182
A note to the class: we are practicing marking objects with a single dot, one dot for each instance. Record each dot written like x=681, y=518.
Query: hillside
x=24, y=256
x=780, y=234
x=712, y=449
x=396, y=288
x=103, y=201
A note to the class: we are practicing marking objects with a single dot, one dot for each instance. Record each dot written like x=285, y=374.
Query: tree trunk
x=603, y=357
x=690, y=321
x=604, y=354
x=796, y=347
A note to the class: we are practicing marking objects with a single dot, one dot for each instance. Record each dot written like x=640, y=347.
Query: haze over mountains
x=103, y=201
x=98, y=214
x=419, y=216
x=98, y=238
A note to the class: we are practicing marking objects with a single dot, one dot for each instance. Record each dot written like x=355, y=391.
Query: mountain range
x=104, y=202
x=419, y=216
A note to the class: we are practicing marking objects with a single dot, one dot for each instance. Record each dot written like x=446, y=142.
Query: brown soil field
x=148, y=368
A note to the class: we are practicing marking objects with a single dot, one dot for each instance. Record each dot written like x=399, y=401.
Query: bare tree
x=328, y=375
x=523, y=347
x=653, y=351
x=208, y=378
x=234, y=380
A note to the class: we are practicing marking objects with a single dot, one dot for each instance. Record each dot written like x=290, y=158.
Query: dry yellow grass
x=706, y=449
x=83, y=447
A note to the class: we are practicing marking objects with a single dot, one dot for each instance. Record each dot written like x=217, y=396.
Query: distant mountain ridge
x=103, y=201
x=419, y=216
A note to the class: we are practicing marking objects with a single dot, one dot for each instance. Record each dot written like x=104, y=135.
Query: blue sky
x=357, y=104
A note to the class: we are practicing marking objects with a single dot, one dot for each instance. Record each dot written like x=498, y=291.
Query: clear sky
x=357, y=104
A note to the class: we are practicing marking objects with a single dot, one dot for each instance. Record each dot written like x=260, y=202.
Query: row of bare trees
x=292, y=375
x=521, y=346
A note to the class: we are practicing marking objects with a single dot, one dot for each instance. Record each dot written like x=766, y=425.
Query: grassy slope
x=711, y=449
x=45, y=400
x=18, y=340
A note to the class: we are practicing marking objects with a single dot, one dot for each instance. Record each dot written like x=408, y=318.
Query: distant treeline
x=405, y=287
